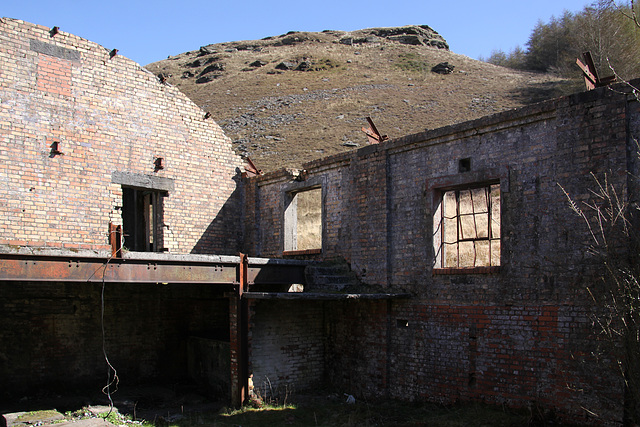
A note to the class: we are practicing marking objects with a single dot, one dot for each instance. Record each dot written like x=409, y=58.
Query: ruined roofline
x=511, y=118
x=61, y=33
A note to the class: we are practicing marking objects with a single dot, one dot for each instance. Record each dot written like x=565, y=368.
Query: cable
x=115, y=380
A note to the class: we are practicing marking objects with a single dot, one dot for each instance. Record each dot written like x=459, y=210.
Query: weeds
x=412, y=62
x=114, y=417
x=389, y=413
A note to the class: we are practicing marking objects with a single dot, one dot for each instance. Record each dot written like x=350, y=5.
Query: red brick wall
x=108, y=115
x=54, y=76
x=522, y=356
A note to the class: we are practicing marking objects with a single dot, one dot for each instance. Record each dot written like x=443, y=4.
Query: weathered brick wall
x=511, y=336
x=108, y=115
x=522, y=356
x=287, y=347
x=358, y=347
x=52, y=341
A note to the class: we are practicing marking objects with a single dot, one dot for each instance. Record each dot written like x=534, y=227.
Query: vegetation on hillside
x=604, y=29
x=289, y=99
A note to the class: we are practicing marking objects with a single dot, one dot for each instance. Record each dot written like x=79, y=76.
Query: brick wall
x=52, y=341
x=358, y=347
x=108, y=115
x=511, y=334
x=287, y=347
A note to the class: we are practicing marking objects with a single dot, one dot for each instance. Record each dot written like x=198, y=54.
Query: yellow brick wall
x=108, y=114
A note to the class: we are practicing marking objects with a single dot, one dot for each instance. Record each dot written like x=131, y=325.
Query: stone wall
x=518, y=333
x=107, y=115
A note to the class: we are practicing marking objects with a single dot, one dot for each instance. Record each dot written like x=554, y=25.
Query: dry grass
x=381, y=414
x=388, y=81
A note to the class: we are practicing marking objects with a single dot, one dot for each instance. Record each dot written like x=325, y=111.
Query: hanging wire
x=112, y=380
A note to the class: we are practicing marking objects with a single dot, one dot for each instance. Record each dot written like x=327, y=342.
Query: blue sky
x=148, y=31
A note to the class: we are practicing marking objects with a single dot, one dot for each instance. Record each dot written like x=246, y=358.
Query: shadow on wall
x=224, y=234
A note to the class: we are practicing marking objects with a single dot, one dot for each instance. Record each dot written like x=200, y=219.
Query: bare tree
x=612, y=223
x=630, y=12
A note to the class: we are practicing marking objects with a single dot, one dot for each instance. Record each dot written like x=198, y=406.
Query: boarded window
x=303, y=221
x=467, y=228
x=142, y=219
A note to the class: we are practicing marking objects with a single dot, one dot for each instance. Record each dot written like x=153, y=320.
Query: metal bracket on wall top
x=591, y=78
x=251, y=169
x=372, y=133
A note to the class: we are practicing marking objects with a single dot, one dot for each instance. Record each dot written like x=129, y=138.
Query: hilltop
x=291, y=98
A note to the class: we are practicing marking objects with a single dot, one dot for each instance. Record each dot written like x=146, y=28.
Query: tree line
x=607, y=29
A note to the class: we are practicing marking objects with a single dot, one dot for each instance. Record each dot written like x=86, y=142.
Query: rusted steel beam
x=243, y=274
x=589, y=78
x=250, y=169
x=50, y=269
x=82, y=269
x=115, y=240
x=373, y=134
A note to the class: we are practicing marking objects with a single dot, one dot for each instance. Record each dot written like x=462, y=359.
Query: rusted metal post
x=239, y=336
x=115, y=240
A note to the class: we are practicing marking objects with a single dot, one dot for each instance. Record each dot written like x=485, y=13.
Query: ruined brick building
x=467, y=266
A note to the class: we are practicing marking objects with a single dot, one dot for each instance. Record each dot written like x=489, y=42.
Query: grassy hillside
x=289, y=99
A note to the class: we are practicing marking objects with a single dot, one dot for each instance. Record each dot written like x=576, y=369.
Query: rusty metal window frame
x=492, y=234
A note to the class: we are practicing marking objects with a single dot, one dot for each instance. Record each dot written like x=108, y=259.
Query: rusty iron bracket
x=372, y=133
x=250, y=169
x=591, y=78
x=243, y=273
x=115, y=240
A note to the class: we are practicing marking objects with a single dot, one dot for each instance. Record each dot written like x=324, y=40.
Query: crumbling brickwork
x=106, y=114
x=87, y=135
x=517, y=333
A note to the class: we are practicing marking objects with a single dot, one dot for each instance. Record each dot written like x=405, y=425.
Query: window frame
x=158, y=188
x=290, y=216
x=458, y=219
x=143, y=219
x=465, y=180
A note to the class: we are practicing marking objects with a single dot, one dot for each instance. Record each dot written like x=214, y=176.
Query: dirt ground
x=158, y=404
x=180, y=406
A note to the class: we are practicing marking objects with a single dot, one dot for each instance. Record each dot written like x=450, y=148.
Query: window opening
x=142, y=219
x=303, y=221
x=469, y=228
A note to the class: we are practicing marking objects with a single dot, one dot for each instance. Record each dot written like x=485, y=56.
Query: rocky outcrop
x=206, y=66
x=419, y=35
x=443, y=68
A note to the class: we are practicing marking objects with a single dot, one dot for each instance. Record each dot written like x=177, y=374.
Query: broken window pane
x=469, y=227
